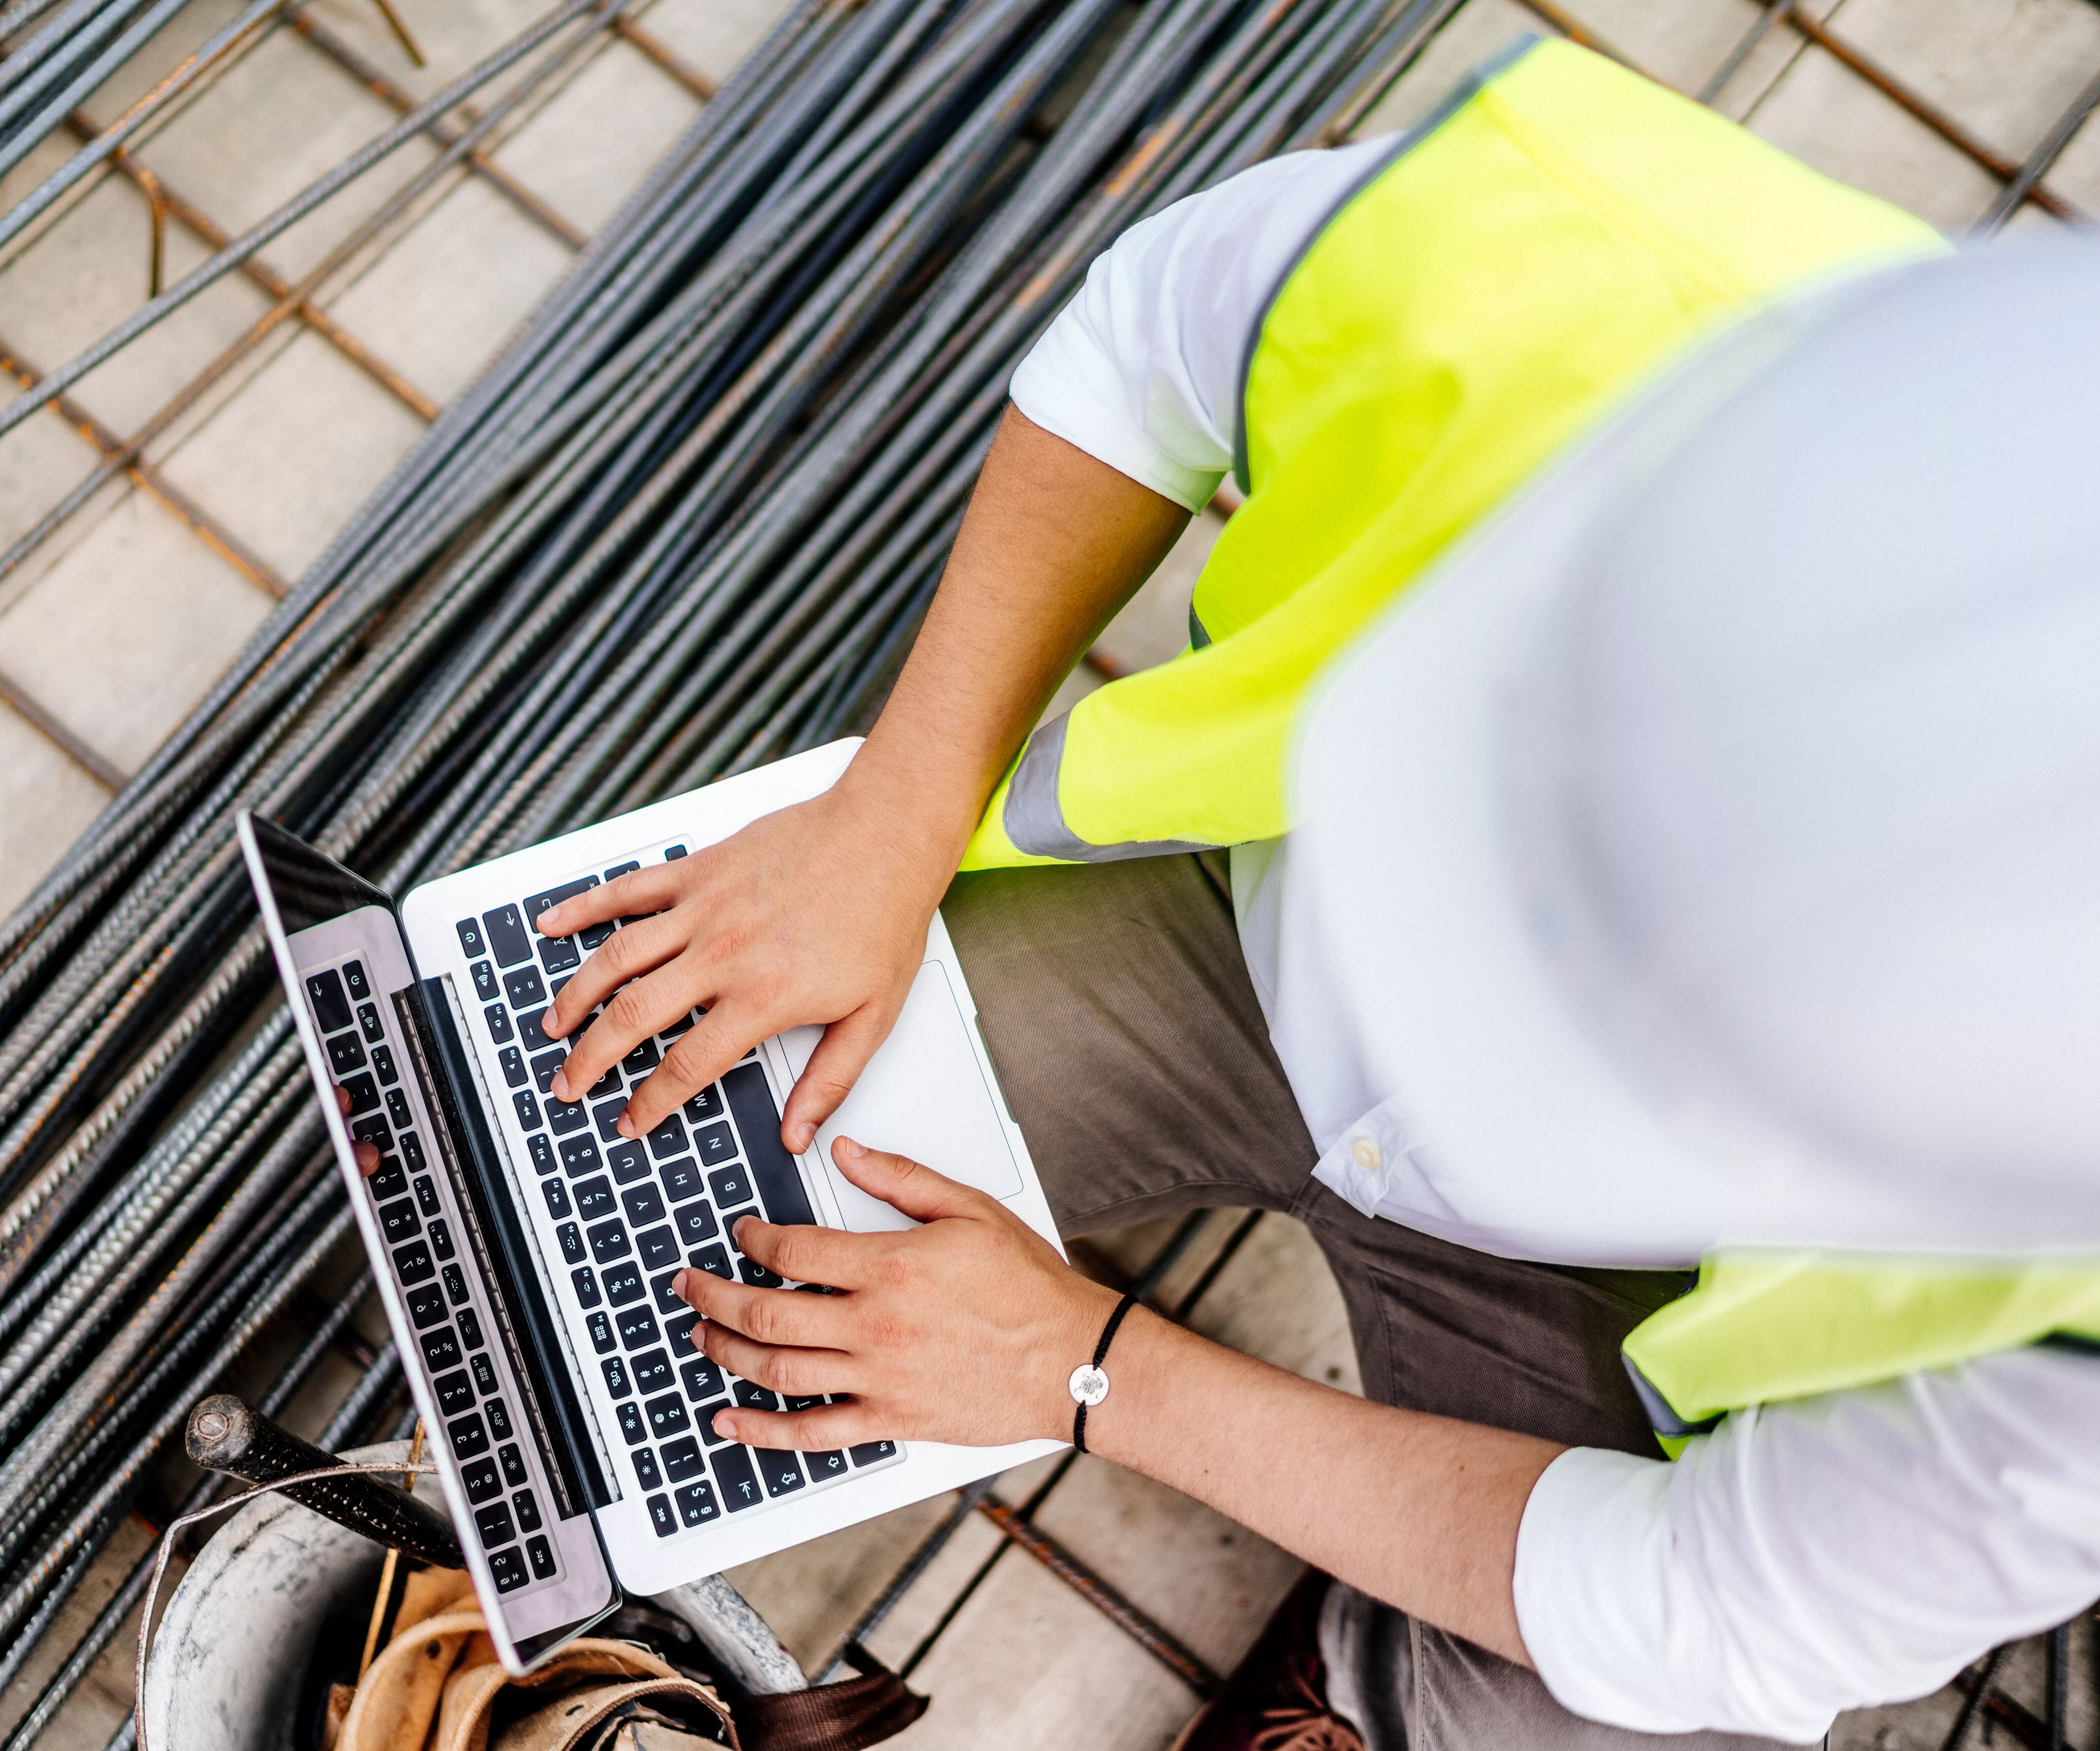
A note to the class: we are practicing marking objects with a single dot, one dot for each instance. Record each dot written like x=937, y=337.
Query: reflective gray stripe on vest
x=1660, y=1417
x=1199, y=634
x=1035, y=819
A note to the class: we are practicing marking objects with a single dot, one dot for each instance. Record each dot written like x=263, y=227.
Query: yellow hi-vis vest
x=1512, y=272
x=1517, y=266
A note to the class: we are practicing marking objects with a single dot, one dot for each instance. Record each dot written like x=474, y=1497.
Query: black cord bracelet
x=1088, y=1385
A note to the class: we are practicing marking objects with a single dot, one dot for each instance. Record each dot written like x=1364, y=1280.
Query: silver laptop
x=525, y=1251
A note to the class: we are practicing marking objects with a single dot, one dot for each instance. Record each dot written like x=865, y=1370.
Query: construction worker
x=1649, y=695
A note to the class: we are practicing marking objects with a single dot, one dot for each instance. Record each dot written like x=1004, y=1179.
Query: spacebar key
x=772, y=1168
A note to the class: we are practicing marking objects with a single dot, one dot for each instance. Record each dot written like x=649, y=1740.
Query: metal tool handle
x=225, y=1434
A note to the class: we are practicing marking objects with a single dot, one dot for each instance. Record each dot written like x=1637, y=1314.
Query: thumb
x=829, y=1076
x=903, y=1183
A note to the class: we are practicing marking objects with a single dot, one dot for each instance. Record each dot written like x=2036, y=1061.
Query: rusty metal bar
x=443, y=133
x=1156, y=1640
x=148, y=478
x=398, y=26
x=695, y=81
x=2039, y=161
x=166, y=201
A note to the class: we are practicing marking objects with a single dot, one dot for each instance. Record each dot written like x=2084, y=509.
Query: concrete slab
x=1154, y=625
x=283, y=464
x=99, y=1706
x=1683, y=44
x=2076, y=174
x=40, y=460
x=439, y=304
x=452, y=34
x=122, y=637
x=1211, y=1582
x=46, y=801
x=589, y=144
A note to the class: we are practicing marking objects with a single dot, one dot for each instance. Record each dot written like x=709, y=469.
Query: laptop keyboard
x=419, y=1225
x=617, y=1220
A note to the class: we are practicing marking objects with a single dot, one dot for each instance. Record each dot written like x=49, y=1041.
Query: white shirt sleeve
x=1828, y=1553
x=1141, y=370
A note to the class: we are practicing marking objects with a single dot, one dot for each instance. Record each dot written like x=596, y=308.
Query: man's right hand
x=817, y=914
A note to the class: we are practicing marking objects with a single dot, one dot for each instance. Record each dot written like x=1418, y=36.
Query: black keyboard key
x=412, y=1151
x=623, y=1283
x=631, y=1425
x=652, y=1371
x=606, y=1117
x=426, y=1196
x=739, y=1483
x=705, y=1105
x=658, y=1248
x=494, y=1524
x=579, y=1156
x=606, y=1084
x=616, y=1381
x=594, y=1198
x=681, y=1178
x=696, y=1504
x=695, y=1222
x=560, y=955
x=701, y=1378
x=557, y=1198
x=542, y=1152
x=545, y=1063
x=498, y=1019
x=593, y=936
x=757, y=1275
x=485, y=1372
x=368, y=1021
x=382, y=1066
x=716, y=1146
x=371, y=1130
x=824, y=1467
x=600, y=1332
x=513, y=1063
x=677, y=1331
x=364, y=1095
x=773, y=1169
x=587, y=1289
x=513, y=1462
x=469, y=935
x=673, y=853
x=325, y=993
x=567, y=1115
x=345, y=1053
x=667, y=1298
x=527, y=1510
x=480, y=1480
x=441, y=1243
x=387, y=1180
x=641, y=1061
x=873, y=1453
x=455, y=1282
x=540, y=1555
x=528, y=1109
x=531, y=1035
x=668, y=1138
x=507, y=1570
x=484, y=981
x=571, y=1239
x=618, y=870
x=661, y=1517
x=808, y=1402
x=397, y=1108
x=412, y=1263
x=354, y=981
x=508, y=936
x=643, y=1205
x=782, y=1472
x=667, y=1415
x=681, y=1460
x=537, y=903
x=498, y=1419
x=753, y=1396
x=427, y=1306
x=731, y=1186
x=469, y=1329
x=637, y=1326
x=468, y=1435
x=705, y=1417
x=525, y=989
x=680, y=1026
x=715, y=1261
x=629, y=1162
x=440, y=1348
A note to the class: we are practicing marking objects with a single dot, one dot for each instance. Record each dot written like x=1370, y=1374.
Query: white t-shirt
x=1819, y=1555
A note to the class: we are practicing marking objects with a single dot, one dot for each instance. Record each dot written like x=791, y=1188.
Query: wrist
x=920, y=818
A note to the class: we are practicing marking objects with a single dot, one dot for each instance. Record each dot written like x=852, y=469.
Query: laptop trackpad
x=924, y=1094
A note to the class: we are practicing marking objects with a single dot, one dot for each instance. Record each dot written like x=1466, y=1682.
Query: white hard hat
x=1739, y=790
